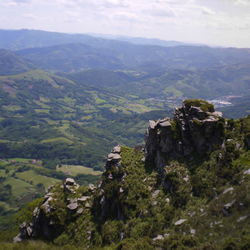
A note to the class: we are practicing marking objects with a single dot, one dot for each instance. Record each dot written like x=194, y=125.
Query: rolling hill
x=45, y=116
x=116, y=55
x=206, y=83
x=11, y=63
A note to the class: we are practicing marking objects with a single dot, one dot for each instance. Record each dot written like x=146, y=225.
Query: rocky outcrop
x=108, y=205
x=70, y=185
x=174, y=197
x=193, y=130
x=42, y=224
x=58, y=203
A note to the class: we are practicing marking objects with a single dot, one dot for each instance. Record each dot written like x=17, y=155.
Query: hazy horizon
x=218, y=23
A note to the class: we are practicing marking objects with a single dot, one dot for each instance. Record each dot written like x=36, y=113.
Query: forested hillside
x=188, y=189
x=65, y=100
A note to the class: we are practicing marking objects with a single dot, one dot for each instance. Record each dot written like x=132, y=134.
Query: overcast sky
x=214, y=22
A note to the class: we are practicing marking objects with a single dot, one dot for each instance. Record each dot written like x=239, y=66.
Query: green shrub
x=111, y=231
x=132, y=244
x=26, y=213
x=205, y=106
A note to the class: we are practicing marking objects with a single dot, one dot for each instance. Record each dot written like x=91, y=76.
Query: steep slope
x=187, y=191
x=23, y=39
x=11, y=63
x=207, y=83
x=71, y=57
x=45, y=116
x=113, y=55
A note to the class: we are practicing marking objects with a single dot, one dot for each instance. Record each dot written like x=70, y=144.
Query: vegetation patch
x=75, y=170
x=204, y=105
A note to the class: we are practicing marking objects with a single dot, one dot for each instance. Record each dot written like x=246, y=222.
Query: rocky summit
x=188, y=188
x=196, y=128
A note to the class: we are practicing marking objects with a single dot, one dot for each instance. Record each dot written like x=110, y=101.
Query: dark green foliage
x=44, y=116
x=205, y=106
x=5, y=192
x=111, y=232
x=177, y=183
x=11, y=63
x=132, y=244
x=215, y=217
x=25, y=214
x=179, y=242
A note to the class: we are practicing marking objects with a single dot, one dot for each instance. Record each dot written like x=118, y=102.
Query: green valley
x=180, y=183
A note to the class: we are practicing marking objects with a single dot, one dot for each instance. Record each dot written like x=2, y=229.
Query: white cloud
x=190, y=20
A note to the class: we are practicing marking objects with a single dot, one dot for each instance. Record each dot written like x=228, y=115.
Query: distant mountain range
x=21, y=39
x=145, y=41
x=11, y=63
x=78, y=92
x=66, y=99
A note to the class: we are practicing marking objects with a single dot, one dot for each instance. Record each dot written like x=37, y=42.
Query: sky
x=212, y=22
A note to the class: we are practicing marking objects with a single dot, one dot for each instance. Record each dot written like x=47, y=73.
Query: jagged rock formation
x=107, y=204
x=195, y=129
x=46, y=223
x=161, y=197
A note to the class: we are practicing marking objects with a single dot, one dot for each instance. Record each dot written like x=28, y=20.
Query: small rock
x=193, y=231
x=102, y=200
x=52, y=222
x=155, y=194
x=228, y=190
x=79, y=210
x=191, y=214
x=83, y=198
x=36, y=212
x=91, y=187
x=70, y=185
x=113, y=156
x=87, y=205
x=158, y=237
x=29, y=231
x=72, y=206
x=165, y=124
x=217, y=113
x=122, y=234
x=49, y=188
x=217, y=222
x=229, y=205
x=48, y=195
x=17, y=239
x=117, y=149
x=242, y=218
x=69, y=181
x=179, y=222
x=152, y=124
x=154, y=203
x=247, y=172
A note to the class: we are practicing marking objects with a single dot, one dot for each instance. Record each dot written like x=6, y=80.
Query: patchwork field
x=22, y=180
x=75, y=170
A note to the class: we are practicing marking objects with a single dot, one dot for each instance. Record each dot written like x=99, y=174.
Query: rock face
x=107, y=205
x=42, y=224
x=193, y=130
x=46, y=222
x=70, y=185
